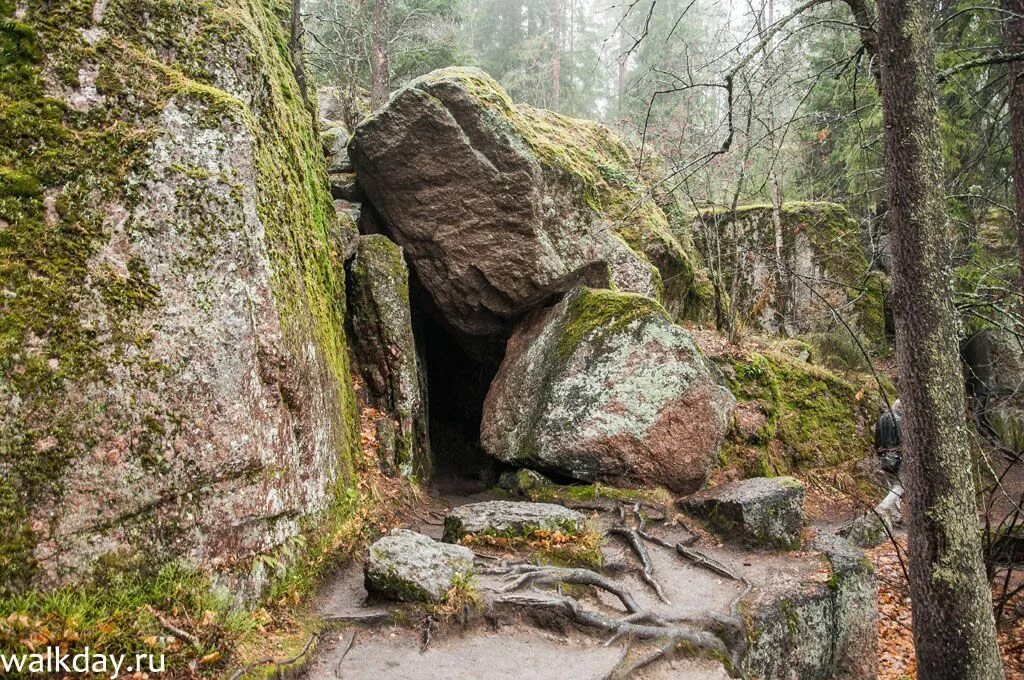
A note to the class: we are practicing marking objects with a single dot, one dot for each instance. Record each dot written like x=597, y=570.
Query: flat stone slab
x=411, y=567
x=762, y=511
x=510, y=519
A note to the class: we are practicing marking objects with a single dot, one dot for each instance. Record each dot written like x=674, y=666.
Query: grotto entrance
x=457, y=380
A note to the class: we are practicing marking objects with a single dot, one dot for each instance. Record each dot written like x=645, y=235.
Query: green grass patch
x=131, y=613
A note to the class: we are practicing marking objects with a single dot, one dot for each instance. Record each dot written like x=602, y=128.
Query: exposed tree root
x=699, y=559
x=526, y=574
x=638, y=624
x=711, y=564
x=636, y=542
x=622, y=671
x=341, y=659
x=278, y=664
x=671, y=636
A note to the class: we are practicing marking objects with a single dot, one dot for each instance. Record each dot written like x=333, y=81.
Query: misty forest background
x=805, y=122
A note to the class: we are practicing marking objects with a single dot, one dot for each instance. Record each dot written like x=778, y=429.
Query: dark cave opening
x=457, y=380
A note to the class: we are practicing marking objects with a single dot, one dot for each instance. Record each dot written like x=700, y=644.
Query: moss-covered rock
x=385, y=351
x=795, y=416
x=788, y=278
x=511, y=519
x=604, y=387
x=175, y=375
x=761, y=511
x=411, y=567
x=500, y=206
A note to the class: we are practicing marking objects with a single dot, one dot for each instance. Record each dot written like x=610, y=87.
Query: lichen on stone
x=158, y=163
x=604, y=387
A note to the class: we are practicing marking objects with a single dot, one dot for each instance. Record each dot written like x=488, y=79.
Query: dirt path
x=508, y=643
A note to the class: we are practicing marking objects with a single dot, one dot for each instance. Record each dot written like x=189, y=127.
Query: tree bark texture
x=556, y=56
x=380, y=62
x=954, y=631
x=1013, y=33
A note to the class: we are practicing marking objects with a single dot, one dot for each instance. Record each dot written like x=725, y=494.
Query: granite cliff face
x=175, y=377
x=788, y=278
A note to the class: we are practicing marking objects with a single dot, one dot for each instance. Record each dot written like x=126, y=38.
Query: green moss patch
x=811, y=417
x=606, y=312
x=587, y=493
x=578, y=547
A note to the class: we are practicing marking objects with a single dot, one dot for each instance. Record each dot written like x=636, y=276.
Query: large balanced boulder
x=501, y=207
x=174, y=379
x=411, y=567
x=764, y=511
x=604, y=387
x=510, y=519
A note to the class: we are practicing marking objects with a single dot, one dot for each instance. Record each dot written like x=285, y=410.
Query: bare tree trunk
x=556, y=56
x=623, y=69
x=380, y=63
x=295, y=48
x=785, y=285
x=1014, y=40
x=954, y=631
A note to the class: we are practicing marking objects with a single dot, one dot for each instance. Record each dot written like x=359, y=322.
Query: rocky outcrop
x=502, y=207
x=786, y=278
x=385, y=352
x=794, y=415
x=411, y=567
x=763, y=511
x=603, y=387
x=994, y=370
x=819, y=629
x=175, y=379
x=510, y=519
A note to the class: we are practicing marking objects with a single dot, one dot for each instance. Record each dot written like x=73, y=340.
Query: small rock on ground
x=411, y=567
x=508, y=518
x=763, y=511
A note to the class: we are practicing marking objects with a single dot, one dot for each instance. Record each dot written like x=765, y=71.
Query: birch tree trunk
x=954, y=631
